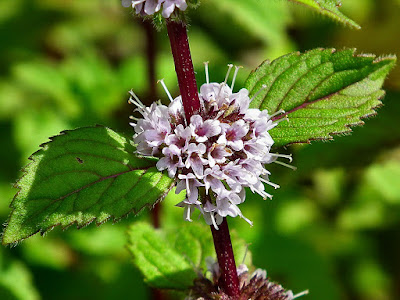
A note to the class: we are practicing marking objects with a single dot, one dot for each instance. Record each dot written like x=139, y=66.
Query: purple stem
x=228, y=281
x=184, y=68
x=177, y=33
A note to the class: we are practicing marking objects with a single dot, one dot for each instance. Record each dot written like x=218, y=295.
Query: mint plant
x=212, y=143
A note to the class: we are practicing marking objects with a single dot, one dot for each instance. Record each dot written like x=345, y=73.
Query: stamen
x=247, y=220
x=289, y=157
x=219, y=114
x=281, y=111
x=245, y=254
x=206, y=71
x=220, y=88
x=230, y=66
x=285, y=165
x=134, y=118
x=264, y=86
x=165, y=89
x=280, y=120
x=276, y=186
x=138, y=103
x=213, y=221
x=300, y=294
x=234, y=76
x=262, y=193
x=187, y=187
x=188, y=213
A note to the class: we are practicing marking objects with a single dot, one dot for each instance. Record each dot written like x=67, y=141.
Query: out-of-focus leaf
x=322, y=92
x=15, y=280
x=46, y=81
x=33, y=125
x=108, y=241
x=170, y=258
x=329, y=8
x=385, y=179
x=80, y=176
x=194, y=243
x=371, y=280
x=301, y=266
x=162, y=265
x=48, y=252
x=363, y=214
x=266, y=20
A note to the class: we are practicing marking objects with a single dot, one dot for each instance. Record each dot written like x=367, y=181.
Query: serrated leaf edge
x=42, y=232
x=323, y=11
x=349, y=130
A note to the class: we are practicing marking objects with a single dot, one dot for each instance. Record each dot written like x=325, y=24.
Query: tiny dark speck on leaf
x=79, y=160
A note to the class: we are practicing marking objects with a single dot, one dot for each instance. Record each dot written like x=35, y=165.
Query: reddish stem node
x=228, y=281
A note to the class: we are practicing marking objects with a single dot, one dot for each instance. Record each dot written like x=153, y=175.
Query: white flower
x=149, y=7
x=169, y=7
x=216, y=154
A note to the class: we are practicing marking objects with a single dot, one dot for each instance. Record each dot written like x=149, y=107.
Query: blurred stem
x=184, y=67
x=151, y=51
x=177, y=33
x=151, y=46
x=228, y=281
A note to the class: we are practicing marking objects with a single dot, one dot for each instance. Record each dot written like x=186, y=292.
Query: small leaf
x=162, y=265
x=329, y=8
x=171, y=258
x=80, y=176
x=194, y=242
x=322, y=91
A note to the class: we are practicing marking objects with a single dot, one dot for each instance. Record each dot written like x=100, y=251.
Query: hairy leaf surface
x=322, y=92
x=329, y=8
x=80, y=176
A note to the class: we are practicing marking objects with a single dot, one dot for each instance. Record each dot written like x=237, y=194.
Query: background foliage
x=333, y=227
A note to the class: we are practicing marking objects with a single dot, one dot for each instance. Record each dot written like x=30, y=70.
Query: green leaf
x=266, y=20
x=80, y=176
x=322, y=91
x=162, y=265
x=171, y=258
x=329, y=8
x=15, y=280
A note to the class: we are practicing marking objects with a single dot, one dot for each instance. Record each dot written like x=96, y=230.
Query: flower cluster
x=149, y=7
x=255, y=286
x=215, y=154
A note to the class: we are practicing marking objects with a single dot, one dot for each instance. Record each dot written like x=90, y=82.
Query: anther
x=230, y=66
x=234, y=76
x=263, y=87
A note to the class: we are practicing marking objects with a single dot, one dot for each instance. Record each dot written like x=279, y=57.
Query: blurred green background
x=332, y=228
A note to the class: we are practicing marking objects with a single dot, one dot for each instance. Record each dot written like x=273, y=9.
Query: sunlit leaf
x=329, y=8
x=322, y=91
x=83, y=175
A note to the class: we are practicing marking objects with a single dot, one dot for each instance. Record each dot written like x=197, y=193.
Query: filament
x=165, y=89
